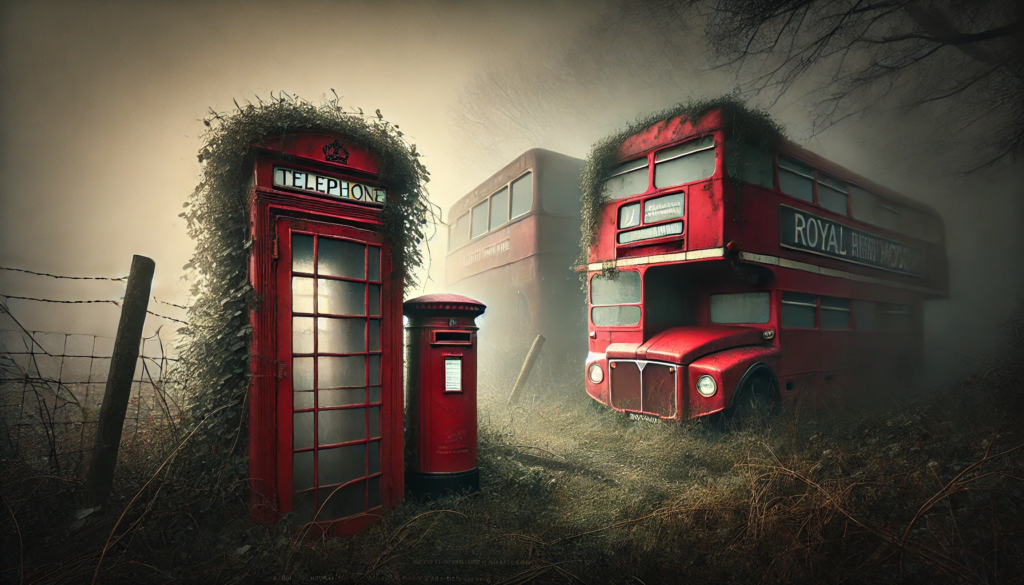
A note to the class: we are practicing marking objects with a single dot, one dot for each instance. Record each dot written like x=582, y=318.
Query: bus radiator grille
x=646, y=387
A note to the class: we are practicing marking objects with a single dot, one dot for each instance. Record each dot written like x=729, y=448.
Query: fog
x=103, y=101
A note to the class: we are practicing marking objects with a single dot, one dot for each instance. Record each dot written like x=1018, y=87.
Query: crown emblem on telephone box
x=335, y=152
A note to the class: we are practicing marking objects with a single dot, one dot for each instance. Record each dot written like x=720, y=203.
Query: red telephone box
x=441, y=398
x=325, y=404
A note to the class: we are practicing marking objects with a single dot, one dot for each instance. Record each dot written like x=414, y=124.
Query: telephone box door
x=338, y=437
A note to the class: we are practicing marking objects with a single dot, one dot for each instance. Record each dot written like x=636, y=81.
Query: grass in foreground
x=925, y=493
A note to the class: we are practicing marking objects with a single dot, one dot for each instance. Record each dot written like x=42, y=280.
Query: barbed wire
x=84, y=302
x=117, y=279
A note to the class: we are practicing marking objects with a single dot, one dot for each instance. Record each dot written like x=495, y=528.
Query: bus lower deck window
x=798, y=310
x=835, y=313
x=623, y=289
x=749, y=307
x=615, y=316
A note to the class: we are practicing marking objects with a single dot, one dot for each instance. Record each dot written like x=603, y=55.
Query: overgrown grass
x=922, y=492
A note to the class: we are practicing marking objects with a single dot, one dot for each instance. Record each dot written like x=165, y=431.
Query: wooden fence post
x=524, y=373
x=100, y=477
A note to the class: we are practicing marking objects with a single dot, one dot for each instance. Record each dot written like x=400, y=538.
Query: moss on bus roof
x=746, y=124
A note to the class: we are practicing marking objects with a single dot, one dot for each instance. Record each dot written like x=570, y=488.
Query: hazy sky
x=102, y=105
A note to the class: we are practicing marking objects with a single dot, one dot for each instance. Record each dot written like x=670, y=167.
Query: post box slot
x=452, y=338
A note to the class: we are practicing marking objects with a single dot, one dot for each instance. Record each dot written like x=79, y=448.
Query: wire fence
x=52, y=386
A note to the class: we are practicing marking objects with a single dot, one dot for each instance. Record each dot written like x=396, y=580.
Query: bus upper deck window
x=862, y=204
x=459, y=232
x=887, y=215
x=479, y=225
x=627, y=179
x=686, y=163
x=522, y=195
x=798, y=310
x=832, y=194
x=796, y=179
x=751, y=165
x=749, y=307
x=835, y=313
x=499, y=208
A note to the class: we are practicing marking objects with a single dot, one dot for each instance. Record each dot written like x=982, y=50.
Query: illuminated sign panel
x=322, y=185
x=806, y=232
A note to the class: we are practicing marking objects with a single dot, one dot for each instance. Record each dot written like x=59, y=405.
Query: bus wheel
x=756, y=402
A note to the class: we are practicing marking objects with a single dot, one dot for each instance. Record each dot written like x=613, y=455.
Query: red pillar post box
x=325, y=404
x=441, y=425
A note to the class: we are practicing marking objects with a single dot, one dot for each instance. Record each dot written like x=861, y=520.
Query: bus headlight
x=595, y=373
x=706, y=386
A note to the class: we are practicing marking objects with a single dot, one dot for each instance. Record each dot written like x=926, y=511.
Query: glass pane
x=334, y=372
x=522, y=195
x=862, y=204
x=864, y=315
x=303, y=507
x=374, y=299
x=605, y=316
x=796, y=179
x=342, y=397
x=374, y=370
x=685, y=149
x=662, y=208
x=342, y=464
x=302, y=400
x=342, y=502
x=894, y=317
x=624, y=288
x=751, y=165
x=750, y=307
x=834, y=319
x=341, y=258
x=628, y=184
x=341, y=335
x=374, y=394
x=459, y=232
x=302, y=335
x=374, y=421
x=302, y=373
x=831, y=199
x=302, y=430
x=835, y=303
x=797, y=316
x=687, y=168
x=629, y=216
x=373, y=263
x=302, y=253
x=374, y=335
x=302, y=470
x=373, y=497
x=887, y=215
x=499, y=208
x=340, y=297
x=373, y=459
x=479, y=220
x=302, y=294
x=340, y=426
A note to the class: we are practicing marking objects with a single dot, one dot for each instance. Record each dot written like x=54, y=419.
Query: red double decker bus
x=723, y=274
x=512, y=243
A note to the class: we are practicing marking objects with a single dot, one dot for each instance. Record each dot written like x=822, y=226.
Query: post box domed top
x=443, y=302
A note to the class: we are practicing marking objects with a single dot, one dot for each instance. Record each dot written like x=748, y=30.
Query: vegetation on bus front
x=749, y=126
x=215, y=351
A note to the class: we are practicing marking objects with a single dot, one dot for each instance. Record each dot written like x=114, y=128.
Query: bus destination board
x=807, y=232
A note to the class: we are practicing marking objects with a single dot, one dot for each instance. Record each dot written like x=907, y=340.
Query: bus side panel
x=705, y=215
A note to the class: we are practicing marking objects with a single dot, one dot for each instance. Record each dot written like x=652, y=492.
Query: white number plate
x=648, y=418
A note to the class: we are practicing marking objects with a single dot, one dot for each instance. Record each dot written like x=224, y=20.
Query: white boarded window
x=748, y=307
